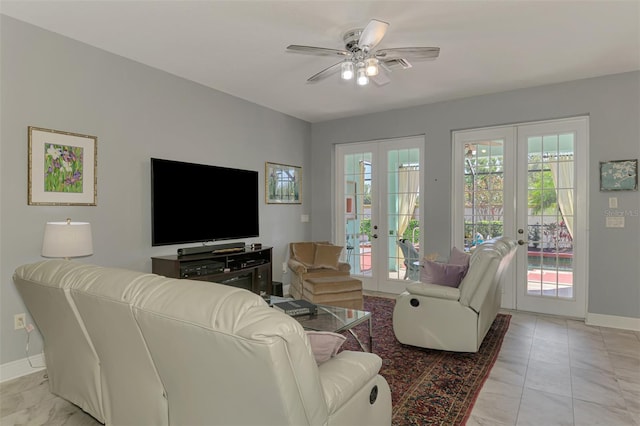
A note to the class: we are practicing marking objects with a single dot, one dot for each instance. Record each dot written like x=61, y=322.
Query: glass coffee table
x=335, y=319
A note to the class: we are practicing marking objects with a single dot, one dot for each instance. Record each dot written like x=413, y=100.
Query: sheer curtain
x=562, y=171
x=408, y=185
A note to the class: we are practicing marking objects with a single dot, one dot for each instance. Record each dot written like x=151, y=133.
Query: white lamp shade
x=67, y=239
x=347, y=70
x=371, y=67
x=361, y=76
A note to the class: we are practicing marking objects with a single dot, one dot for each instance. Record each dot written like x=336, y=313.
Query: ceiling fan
x=362, y=60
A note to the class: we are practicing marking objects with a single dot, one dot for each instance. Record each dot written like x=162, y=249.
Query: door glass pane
x=403, y=205
x=483, y=192
x=357, y=216
x=551, y=195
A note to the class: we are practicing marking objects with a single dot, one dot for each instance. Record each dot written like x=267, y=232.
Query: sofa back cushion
x=486, y=267
x=204, y=334
x=327, y=256
x=104, y=300
x=483, y=265
x=316, y=255
x=304, y=252
x=73, y=366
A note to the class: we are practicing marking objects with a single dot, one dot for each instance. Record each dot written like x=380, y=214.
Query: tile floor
x=555, y=371
x=550, y=371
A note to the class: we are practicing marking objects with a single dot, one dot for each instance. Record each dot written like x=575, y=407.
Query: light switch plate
x=613, y=202
x=304, y=218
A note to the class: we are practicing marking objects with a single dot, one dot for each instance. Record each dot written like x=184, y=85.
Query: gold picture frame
x=62, y=168
x=283, y=184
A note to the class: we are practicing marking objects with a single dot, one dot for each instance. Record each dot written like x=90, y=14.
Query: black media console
x=239, y=267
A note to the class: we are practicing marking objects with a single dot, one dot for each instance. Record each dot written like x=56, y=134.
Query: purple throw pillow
x=442, y=273
x=324, y=344
x=458, y=257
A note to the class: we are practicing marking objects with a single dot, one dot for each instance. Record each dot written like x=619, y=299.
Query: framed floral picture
x=619, y=175
x=283, y=184
x=62, y=168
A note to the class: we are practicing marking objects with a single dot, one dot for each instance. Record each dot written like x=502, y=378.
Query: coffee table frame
x=338, y=319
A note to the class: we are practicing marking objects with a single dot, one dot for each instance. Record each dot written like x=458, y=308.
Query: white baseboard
x=14, y=369
x=612, y=321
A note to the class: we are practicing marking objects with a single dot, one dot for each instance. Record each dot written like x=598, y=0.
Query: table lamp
x=67, y=239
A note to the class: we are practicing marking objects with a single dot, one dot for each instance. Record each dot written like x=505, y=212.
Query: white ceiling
x=238, y=47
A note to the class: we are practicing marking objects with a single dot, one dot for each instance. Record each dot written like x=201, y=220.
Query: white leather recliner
x=139, y=349
x=455, y=319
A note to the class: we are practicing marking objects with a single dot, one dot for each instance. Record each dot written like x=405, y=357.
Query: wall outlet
x=19, y=321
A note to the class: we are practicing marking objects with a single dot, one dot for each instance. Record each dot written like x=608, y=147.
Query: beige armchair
x=320, y=277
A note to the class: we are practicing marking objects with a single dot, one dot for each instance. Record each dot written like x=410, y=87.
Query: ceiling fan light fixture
x=361, y=75
x=347, y=70
x=371, y=67
x=361, y=58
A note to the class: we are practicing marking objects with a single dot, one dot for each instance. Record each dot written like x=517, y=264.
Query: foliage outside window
x=365, y=229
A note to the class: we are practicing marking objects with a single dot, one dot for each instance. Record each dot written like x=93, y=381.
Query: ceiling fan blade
x=325, y=73
x=415, y=53
x=372, y=34
x=312, y=50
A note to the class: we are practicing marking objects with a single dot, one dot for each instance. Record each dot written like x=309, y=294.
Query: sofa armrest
x=434, y=290
x=343, y=266
x=345, y=375
x=297, y=267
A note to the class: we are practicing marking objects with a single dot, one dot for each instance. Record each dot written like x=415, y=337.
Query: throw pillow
x=304, y=253
x=324, y=344
x=459, y=257
x=327, y=256
x=442, y=273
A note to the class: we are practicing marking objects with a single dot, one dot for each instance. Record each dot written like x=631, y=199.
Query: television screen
x=197, y=203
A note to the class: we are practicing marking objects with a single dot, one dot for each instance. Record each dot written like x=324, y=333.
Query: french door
x=529, y=182
x=378, y=205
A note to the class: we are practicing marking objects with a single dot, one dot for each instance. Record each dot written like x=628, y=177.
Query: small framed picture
x=283, y=184
x=62, y=168
x=619, y=175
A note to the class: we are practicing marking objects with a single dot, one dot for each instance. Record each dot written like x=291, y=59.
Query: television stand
x=245, y=268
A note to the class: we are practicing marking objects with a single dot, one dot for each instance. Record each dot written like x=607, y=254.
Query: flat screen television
x=199, y=203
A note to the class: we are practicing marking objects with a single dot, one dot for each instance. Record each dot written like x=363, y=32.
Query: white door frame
x=507, y=134
x=577, y=307
x=379, y=281
x=514, y=295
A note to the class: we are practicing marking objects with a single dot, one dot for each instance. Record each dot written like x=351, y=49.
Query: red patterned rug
x=428, y=387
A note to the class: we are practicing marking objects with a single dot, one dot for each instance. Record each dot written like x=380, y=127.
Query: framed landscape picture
x=619, y=175
x=62, y=168
x=283, y=184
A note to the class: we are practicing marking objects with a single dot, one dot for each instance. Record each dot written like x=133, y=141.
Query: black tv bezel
x=239, y=235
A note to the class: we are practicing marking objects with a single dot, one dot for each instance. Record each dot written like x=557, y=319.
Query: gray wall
x=136, y=112
x=613, y=104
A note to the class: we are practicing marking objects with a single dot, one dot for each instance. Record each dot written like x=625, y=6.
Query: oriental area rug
x=428, y=387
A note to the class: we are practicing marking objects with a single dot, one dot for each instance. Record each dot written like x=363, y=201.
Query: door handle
x=522, y=242
x=375, y=235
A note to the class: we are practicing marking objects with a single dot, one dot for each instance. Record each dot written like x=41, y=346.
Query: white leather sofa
x=455, y=319
x=139, y=349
